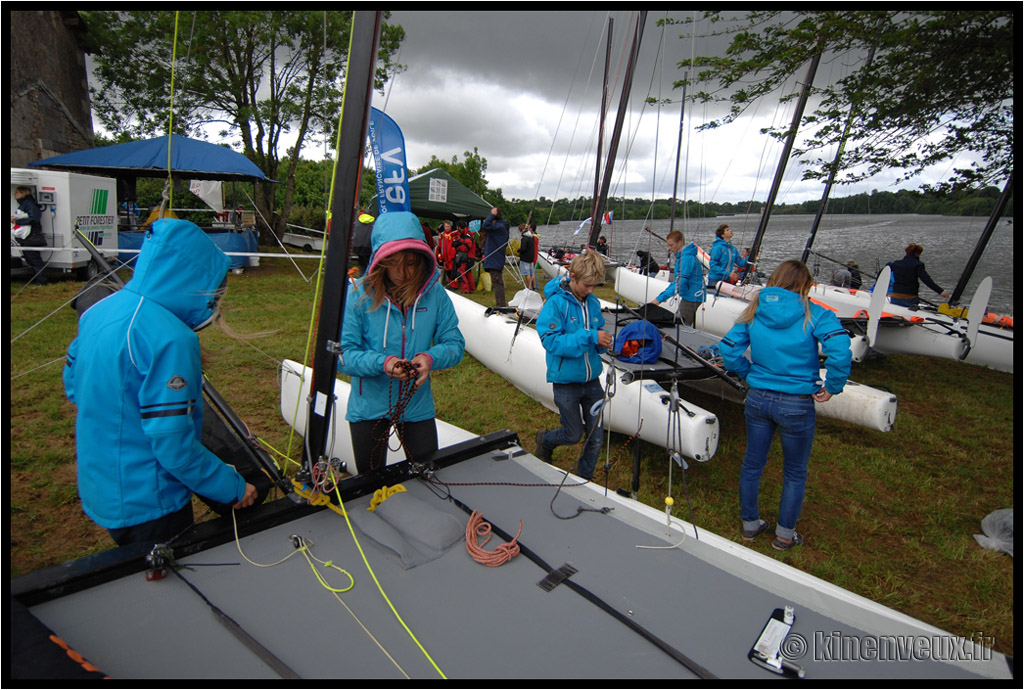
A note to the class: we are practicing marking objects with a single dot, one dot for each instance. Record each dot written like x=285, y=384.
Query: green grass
x=889, y=516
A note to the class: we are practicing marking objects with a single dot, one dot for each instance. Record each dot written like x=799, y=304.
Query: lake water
x=870, y=240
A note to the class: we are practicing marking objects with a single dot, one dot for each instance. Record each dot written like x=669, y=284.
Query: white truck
x=68, y=200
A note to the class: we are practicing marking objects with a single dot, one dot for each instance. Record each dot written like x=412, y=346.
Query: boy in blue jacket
x=687, y=279
x=570, y=330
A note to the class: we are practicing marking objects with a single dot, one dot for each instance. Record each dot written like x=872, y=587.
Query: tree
x=257, y=74
x=940, y=84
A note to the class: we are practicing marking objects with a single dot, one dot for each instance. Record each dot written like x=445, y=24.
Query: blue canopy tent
x=190, y=158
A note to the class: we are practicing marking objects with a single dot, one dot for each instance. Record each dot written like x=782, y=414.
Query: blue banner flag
x=388, y=146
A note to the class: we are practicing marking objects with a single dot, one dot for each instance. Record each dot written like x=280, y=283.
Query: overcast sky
x=524, y=89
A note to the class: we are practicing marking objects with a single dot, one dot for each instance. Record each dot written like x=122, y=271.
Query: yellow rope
x=170, y=115
x=373, y=575
x=304, y=549
x=382, y=494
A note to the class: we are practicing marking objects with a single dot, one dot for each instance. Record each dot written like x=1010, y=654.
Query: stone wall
x=49, y=91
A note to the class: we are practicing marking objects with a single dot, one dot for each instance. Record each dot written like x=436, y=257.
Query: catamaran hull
x=858, y=404
x=295, y=380
x=644, y=406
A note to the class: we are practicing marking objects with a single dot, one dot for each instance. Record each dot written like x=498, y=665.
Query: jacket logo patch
x=177, y=383
x=771, y=298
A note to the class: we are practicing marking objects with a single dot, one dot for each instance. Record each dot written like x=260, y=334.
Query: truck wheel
x=89, y=271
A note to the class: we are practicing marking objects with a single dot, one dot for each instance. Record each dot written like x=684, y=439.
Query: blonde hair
x=792, y=275
x=587, y=267
x=377, y=285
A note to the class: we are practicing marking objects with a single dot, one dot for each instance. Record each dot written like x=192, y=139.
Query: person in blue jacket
x=399, y=326
x=724, y=258
x=569, y=325
x=134, y=372
x=496, y=230
x=783, y=331
x=687, y=279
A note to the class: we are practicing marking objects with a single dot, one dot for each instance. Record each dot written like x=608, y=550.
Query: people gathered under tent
x=466, y=251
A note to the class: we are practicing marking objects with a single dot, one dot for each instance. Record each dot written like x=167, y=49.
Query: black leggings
x=370, y=441
x=155, y=531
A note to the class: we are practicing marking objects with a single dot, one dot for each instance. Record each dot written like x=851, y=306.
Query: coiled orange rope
x=477, y=528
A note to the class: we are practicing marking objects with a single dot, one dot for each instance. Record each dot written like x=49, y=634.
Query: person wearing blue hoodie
x=569, y=326
x=399, y=326
x=687, y=279
x=783, y=330
x=724, y=258
x=134, y=372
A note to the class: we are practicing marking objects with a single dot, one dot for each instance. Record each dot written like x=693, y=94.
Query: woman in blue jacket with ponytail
x=783, y=331
x=399, y=326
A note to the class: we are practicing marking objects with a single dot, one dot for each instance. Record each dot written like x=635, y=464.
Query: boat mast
x=755, y=248
x=979, y=249
x=679, y=148
x=355, y=109
x=832, y=173
x=620, y=116
x=604, y=109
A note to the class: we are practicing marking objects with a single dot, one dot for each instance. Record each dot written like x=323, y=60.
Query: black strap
x=600, y=603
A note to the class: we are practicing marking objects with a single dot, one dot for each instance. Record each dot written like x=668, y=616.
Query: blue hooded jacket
x=687, y=277
x=568, y=331
x=723, y=257
x=134, y=372
x=370, y=336
x=784, y=346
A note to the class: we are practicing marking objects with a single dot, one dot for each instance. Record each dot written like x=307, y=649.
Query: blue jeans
x=794, y=417
x=575, y=402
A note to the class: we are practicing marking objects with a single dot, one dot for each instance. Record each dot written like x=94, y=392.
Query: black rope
x=264, y=654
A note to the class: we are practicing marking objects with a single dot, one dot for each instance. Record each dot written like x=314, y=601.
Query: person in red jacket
x=465, y=250
x=446, y=252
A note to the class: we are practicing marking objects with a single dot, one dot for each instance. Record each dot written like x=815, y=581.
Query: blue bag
x=639, y=342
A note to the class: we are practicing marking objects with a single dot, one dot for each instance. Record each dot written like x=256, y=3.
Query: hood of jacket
x=779, y=308
x=398, y=231
x=181, y=269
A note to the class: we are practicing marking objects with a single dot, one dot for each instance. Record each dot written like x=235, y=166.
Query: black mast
x=355, y=109
x=604, y=110
x=979, y=249
x=832, y=173
x=755, y=248
x=620, y=116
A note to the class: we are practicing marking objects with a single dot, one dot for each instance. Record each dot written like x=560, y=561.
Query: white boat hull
x=857, y=404
x=295, y=380
x=490, y=340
